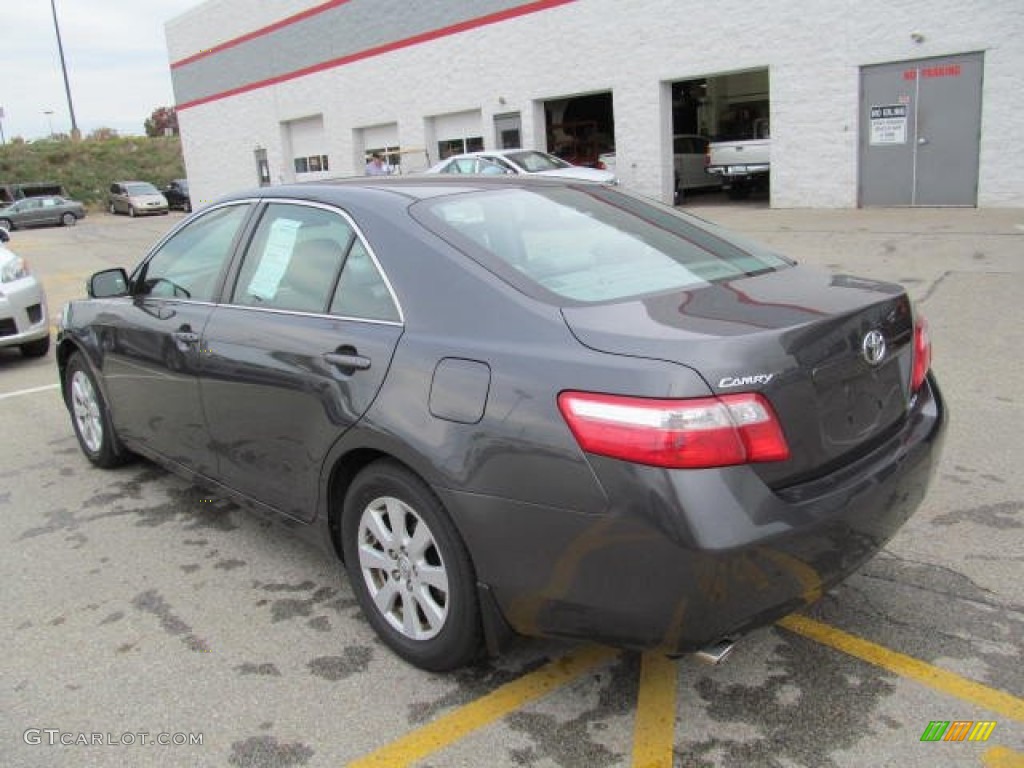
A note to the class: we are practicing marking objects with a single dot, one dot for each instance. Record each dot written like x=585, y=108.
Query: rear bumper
x=679, y=559
x=738, y=170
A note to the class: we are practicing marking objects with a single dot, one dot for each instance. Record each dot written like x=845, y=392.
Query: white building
x=916, y=102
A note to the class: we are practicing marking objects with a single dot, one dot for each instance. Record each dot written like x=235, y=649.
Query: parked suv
x=136, y=198
x=177, y=195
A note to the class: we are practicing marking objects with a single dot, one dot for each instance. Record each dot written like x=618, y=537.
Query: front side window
x=294, y=258
x=190, y=263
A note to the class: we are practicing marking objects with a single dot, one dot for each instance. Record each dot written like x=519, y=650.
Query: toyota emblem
x=873, y=347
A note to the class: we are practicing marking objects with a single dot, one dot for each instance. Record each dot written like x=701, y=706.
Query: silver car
x=136, y=198
x=24, y=321
x=531, y=162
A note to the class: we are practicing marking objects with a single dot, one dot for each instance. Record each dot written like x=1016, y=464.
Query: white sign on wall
x=889, y=124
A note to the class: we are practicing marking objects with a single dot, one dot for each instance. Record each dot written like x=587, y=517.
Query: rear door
x=297, y=353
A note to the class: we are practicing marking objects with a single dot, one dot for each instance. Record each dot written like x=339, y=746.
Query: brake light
x=922, y=353
x=691, y=434
x=601, y=166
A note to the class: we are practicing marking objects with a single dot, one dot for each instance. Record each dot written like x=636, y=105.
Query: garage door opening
x=719, y=108
x=580, y=128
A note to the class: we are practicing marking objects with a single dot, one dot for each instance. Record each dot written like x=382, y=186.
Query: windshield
x=583, y=245
x=142, y=188
x=534, y=162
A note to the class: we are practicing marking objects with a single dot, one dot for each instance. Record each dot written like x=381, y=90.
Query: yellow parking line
x=654, y=731
x=907, y=666
x=461, y=722
x=1002, y=757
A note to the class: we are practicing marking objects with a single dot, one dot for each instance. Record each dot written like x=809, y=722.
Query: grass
x=86, y=168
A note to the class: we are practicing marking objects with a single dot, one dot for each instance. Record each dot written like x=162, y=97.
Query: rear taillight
x=695, y=433
x=922, y=353
x=601, y=166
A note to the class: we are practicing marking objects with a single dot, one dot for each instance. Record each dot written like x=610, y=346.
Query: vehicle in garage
x=518, y=405
x=689, y=157
x=743, y=165
x=50, y=210
x=24, y=321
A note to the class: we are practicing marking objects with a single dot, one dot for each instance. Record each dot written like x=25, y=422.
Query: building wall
x=813, y=50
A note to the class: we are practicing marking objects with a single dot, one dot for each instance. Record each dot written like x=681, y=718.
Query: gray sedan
x=515, y=404
x=51, y=210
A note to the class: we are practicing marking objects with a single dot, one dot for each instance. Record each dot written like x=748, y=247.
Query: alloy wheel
x=402, y=566
x=87, y=413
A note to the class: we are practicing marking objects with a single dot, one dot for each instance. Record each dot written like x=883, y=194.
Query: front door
x=920, y=130
x=296, y=355
x=152, y=340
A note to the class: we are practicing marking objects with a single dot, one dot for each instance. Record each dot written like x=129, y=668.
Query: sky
x=116, y=56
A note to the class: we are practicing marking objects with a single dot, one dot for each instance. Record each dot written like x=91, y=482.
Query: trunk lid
x=804, y=338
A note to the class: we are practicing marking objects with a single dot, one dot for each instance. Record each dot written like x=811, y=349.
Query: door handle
x=922, y=141
x=351, y=361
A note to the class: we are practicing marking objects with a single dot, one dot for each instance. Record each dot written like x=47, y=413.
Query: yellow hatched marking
x=654, y=732
x=982, y=730
x=458, y=724
x=907, y=666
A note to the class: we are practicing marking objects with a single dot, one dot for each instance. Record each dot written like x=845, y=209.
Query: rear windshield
x=588, y=244
x=535, y=162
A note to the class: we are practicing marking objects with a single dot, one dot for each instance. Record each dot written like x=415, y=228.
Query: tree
x=163, y=122
x=103, y=134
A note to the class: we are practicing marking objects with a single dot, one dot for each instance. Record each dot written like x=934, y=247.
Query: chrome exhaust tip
x=715, y=653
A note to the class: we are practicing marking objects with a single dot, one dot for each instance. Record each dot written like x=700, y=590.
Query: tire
x=37, y=348
x=91, y=417
x=187, y=206
x=131, y=211
x=7, y=224
x=113, y=210
x=419, y=562
x=69, y=219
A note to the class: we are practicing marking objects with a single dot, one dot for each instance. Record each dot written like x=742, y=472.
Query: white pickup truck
x=742, y=165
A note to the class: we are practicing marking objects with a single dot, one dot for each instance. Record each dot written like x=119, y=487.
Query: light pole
x=75, y=135
x=49, y=120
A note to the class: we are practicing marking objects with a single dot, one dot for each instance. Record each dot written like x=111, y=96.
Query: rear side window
x=362, y=292
x=294, y=258
x=587, y=244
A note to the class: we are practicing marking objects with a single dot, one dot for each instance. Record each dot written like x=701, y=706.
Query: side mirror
x=5, y=236
x=108, y=283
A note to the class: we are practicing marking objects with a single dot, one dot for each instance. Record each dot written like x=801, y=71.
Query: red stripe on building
x=423, y=37
x=285, y=22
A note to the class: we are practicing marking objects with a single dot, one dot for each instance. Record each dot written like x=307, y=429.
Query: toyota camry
x=514, y=405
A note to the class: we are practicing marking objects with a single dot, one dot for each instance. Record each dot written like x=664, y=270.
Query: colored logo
x=958, y=730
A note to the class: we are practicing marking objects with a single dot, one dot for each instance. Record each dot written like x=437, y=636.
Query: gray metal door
x=920, y=126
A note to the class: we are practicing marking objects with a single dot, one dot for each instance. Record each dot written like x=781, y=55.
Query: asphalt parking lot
x=140, y=609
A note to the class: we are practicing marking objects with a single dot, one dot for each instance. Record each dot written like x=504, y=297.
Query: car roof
x=501, y=152
x=416, y=187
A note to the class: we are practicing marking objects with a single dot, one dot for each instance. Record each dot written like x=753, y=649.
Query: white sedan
x=527, y=161
x=24, y=322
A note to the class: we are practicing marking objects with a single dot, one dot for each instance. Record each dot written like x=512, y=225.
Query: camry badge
x=873, y=347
